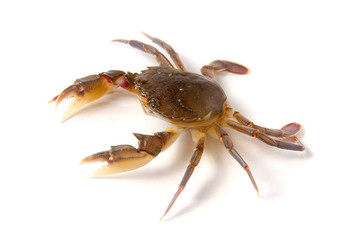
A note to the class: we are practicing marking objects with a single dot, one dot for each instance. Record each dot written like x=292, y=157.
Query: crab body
x=182, y=98
x=188, y=100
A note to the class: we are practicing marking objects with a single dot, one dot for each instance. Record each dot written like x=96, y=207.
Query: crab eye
x=154, y=103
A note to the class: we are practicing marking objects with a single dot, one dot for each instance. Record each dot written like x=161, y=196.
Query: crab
x=189, y=101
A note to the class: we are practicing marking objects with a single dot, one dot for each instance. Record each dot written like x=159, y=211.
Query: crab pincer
x=87, y=89
x=123, y=158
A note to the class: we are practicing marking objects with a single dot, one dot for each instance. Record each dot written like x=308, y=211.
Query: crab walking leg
x=87, y=89
x=219, y=66
x=124, y=158
x=174, y=56
x=199, y=138
x=162, y=60
x=287, y=142
x=224, y=137
x=288, y=130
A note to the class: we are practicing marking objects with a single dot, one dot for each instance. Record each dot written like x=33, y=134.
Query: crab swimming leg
x=284, y=138
x=288, y=142
x=286, y=131
x=199, y=138
x=124, y=158
x=219, y=66
x=90, y=88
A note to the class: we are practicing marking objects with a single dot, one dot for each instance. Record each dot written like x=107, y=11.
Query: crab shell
x=182, y=98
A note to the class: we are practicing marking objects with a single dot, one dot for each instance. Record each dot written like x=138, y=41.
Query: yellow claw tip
x=53, y=99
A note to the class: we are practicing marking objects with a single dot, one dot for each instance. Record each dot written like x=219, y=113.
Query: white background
x=304, y=58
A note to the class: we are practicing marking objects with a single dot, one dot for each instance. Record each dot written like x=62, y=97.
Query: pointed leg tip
x=257, y=191
x=147, y=35
x=163, y=216
x=120, y=40
x=247, y=169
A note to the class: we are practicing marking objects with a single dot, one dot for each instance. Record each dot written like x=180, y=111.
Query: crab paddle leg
x=288, y=130
x=286, y=142
x=199, y=138
x=219, y=66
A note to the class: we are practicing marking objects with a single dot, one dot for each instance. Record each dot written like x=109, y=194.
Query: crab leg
x=174, y=56
x=224, y=137
x=219, y=66
x=286, y=142
x=124, y=158
x=199, y=138
x=90, y=88
x=288, y=130
x=162, y=60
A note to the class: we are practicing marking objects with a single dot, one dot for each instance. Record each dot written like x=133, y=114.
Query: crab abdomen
x=179, y=97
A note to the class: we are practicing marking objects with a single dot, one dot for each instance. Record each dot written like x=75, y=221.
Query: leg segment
x=124, y=158
x=90, y=88
x=162, y=60
x=199, y=138
x=224, y=137
x=174, y=56
x=219, y=66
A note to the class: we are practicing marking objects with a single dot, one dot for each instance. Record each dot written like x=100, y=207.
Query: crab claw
x=88, y=89
x=121, y=158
